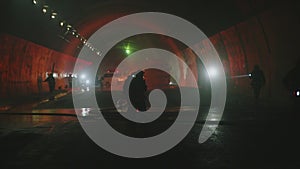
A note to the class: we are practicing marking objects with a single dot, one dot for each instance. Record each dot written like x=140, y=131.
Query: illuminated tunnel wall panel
x=22, y=61
x=269, y=39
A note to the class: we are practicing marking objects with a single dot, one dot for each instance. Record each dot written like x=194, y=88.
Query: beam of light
x=240, y=76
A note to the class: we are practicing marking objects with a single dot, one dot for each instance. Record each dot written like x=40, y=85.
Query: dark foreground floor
x=59, y=142
x=247, y=138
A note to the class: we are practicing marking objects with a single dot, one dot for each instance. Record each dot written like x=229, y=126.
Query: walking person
x=70, y=78
x=257, y=81
x=137, y=90
x=51, y=82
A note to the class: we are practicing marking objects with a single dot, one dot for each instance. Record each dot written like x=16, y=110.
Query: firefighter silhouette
x=51, y=82
x=257, y=80
x=137, y=89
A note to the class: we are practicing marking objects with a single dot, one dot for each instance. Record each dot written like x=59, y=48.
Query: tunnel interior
x=253, y=32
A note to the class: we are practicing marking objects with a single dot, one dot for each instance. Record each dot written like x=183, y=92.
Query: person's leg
x=256, y=92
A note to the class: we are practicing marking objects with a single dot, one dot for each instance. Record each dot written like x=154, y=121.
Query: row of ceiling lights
x=62, y=23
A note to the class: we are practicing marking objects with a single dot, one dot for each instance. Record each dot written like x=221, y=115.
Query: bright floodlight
x=212, y=72
x=298, y=93
x=34, y=2
x=82, y=76
x=55, y=75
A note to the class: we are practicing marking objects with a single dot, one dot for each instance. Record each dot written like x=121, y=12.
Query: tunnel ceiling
x=23, y=19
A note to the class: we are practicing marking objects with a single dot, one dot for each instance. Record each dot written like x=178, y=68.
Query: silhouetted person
x=51, y=82
x=258, y=80
x=137, y=89
x=292, y=80
x=70, y=78
x=39, y=83
x=292, y=83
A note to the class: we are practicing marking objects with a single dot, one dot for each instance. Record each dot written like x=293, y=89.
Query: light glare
x=82, y=76
x=53, y=15
x=44, y=9
x=212, y=72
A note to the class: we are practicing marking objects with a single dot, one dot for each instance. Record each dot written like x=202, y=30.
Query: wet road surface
x=43, y=138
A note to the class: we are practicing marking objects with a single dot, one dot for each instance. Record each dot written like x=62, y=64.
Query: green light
x=128, y=50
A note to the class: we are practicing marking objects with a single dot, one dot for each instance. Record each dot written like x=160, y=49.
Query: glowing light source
x=55, y=75
x=62, y=23
x=53, y=15
x=298, y=93
x=44, y=9
x=128, y=49
x=171, y=83
x=212, y=72
x=69, y=27
x=82, y=76
x=85, y=111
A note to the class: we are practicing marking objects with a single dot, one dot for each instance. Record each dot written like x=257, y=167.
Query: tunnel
x=244, y=33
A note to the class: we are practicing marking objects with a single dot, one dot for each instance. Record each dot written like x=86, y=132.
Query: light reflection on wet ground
x=53, y=138
x=9, y=123
x=56, y=141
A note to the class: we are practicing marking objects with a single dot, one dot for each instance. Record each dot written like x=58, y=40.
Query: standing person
x=258, y=80
x=39, y=83
x=51, y=82
x=70, y=78
x=292, y=79
x=137, y=90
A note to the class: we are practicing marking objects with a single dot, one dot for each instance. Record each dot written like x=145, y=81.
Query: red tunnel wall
x=270, y=40
x=22, y=61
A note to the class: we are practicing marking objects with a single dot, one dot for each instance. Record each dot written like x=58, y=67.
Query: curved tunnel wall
x=21, y=63
x=269, y=39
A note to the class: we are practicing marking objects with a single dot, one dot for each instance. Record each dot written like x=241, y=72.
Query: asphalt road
x=50, y=136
